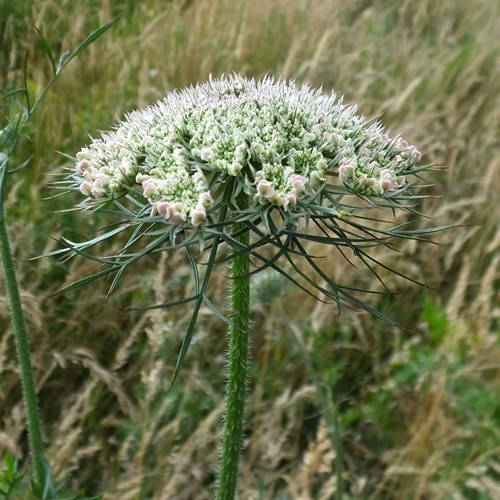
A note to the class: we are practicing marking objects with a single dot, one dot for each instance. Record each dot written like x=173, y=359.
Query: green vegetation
x=418, y=408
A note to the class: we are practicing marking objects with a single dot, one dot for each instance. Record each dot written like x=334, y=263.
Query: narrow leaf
x=67, y=57
x=167, y=305
x=83, y=281
x=190, y=328
x=23, y=165
x=46, y=47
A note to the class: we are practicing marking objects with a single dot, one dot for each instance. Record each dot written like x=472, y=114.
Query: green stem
x=237, y=365
x=23, y=351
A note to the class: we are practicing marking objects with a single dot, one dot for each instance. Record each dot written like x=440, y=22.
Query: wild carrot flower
x=234, y=158
x=280, y=144
x=179, y=169
x=271, y=155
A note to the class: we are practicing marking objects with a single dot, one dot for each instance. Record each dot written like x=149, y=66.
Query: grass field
x=418, y=408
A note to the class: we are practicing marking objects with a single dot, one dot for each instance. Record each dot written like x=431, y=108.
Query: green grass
x=418, y=408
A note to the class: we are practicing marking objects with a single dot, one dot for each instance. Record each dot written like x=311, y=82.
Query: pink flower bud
x=265, y=189
x=335, y=138
x=415, y=153
x=177, y=218
x=83, y=154
x=299, y=183
x=146, y=141
x=198, y=215
x=98, y=188
x=149, y=188
x=86, y=188
x=205, y=199
x=385, y=185
x=290, y=201
x=82, y=166
x=162, y=207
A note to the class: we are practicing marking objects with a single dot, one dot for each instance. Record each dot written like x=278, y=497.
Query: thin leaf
x=190, y=328
x=292, y=280
x=23, y=165
x=9, y=93
x=133, y=258
x=167, y=305
x=25, y=80
x=67, y=57
x=46, y=47
x=216, y=311
x=83, y=281
x=194, y=269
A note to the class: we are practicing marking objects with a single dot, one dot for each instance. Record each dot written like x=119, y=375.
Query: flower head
x=281, y=144
x=234, y=155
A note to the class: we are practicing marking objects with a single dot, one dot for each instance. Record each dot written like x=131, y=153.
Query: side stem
x=237, y=365
x=23, y=351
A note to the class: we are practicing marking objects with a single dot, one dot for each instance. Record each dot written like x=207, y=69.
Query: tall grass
x=419, y=412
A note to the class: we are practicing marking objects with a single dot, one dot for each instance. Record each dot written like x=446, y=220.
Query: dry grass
x=416, y=418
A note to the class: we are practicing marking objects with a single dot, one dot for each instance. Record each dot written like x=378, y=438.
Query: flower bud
x=346, y=172
x=317, y=179
x=86, y=188
x=385, y=185
x=235, y=168
x=97, y=189
x=82, y=166
x=265, y=189
x=299, y=183
x=163, y=207
x=198, y=215
x=290, y=201
x=207, y=154
x=149, y=188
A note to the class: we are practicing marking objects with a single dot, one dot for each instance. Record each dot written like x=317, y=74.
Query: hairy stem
x=23, y=351
x=237, y=365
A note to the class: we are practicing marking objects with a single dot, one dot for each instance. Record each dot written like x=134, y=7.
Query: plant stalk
x=23, y=352
x=237, y=364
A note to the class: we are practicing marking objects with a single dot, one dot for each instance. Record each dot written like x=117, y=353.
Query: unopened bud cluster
x=279, y=143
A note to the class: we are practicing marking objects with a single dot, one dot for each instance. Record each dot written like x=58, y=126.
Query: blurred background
x=417, y=409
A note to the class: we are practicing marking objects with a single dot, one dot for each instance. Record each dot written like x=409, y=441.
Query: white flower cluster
x=280, y=142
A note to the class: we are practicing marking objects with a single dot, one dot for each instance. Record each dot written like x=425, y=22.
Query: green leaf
x=46, y=47
x=80, y=247
x=215, y=310
x=199, y=301
x=9, y=473
x=84, y=281
x=166, y=305
x=23, y=165
x=9, y=93
x=68, y=56
x=25, y=81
